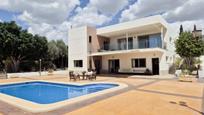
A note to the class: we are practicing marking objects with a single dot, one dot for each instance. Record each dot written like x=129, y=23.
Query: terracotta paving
x=137, y=102
x=143, y=97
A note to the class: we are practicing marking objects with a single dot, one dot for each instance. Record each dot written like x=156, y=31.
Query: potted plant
x=185, y=76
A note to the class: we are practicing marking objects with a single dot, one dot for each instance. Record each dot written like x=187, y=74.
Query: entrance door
x=97, y=65
x=155, y=66
x=114, y=66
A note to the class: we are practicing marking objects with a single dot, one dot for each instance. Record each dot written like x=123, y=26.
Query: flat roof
x=156, y=21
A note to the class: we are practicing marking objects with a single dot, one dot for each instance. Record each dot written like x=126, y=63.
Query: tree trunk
x=189, y=64
x=15, y=64
x=62, y=65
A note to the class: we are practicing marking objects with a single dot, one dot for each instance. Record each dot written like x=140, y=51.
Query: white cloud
x=88, y=16
x=52, y=32
x=177, y=12
x=49, y=17
x=143, y=8
x=190, y=10
x=44, y=17
x=48, y=11
x=109, y=7
x=97, y=12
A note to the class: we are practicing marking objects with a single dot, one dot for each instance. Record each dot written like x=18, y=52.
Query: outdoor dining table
x=83, y=75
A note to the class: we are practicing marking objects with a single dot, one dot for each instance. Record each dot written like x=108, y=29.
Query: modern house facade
x=141, y=46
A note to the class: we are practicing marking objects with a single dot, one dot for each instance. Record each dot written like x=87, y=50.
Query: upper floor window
x=78, y=63
x=122, y=44
x=106, y=45
x=90, y=39
x=150, y=41
x=143, y=41
x=130, y=42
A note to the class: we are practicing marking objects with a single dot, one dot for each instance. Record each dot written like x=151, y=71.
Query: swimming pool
x=48, y=93
x=43, y=95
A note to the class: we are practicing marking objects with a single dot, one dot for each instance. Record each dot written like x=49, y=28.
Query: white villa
x=138, y=47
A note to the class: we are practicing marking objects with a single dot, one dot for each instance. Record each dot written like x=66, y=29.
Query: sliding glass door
x=150, y=41
x=122, y=44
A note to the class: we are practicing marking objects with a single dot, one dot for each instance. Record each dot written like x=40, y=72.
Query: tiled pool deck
x=142, y=97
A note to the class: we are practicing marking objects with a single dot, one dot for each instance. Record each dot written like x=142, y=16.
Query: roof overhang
x=137, y=26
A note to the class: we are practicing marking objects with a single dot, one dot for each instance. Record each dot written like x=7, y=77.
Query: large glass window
x=155, y=41
x=130, y=43
x=150, y=41
x=143, y=41
x=78, y=63
x=137, y=63
x=122, y=44
x=106, y=45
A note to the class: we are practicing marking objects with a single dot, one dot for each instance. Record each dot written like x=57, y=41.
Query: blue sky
x=53, y=18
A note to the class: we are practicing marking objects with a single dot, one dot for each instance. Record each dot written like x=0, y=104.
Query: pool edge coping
x=36, y=108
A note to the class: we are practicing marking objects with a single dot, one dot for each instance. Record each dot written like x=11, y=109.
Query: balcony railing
x=140, y=45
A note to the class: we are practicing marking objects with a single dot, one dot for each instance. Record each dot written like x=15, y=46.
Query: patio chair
x=73, y=76
x=91, y=75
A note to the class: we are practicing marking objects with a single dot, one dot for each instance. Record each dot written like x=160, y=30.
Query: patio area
x=142, y=97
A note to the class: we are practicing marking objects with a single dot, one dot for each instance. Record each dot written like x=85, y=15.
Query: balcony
x=140, y=44
x=128, y=43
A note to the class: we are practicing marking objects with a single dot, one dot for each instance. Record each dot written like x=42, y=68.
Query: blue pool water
x=46, y=93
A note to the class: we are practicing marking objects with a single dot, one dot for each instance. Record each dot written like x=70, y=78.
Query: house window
x=106, y=45
x=90, y=38
x=150, y=41
x=122, y=44
x=143, y=41
x=78, y=63
x=130, y=43
x=136, y=63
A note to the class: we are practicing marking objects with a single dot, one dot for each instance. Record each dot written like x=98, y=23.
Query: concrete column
x=162, y=36
x=135, y=43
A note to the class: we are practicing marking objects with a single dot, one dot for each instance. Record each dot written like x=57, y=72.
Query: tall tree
x=58, y=52
x=188, y=48
x=194, y=28
x=17, y=44
x=63, y=51
x=53, y=50
x=181, y=29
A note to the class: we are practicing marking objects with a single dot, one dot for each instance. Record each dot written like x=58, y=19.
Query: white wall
x=201, y=71
x=126, y=64
x=78, y=48
x=36, y=74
